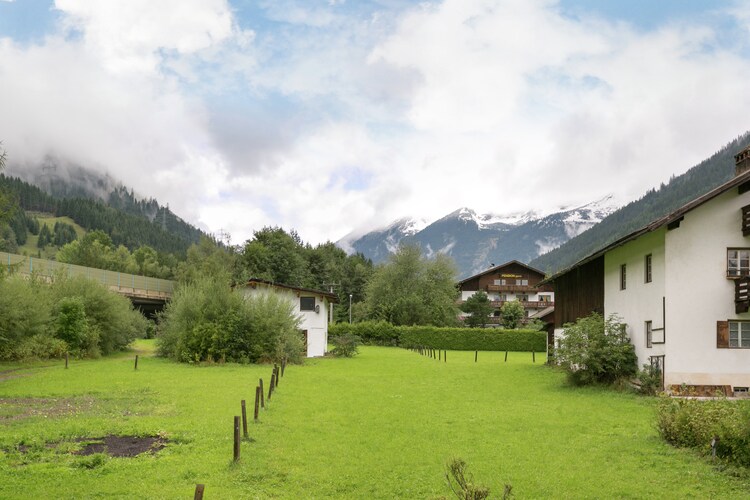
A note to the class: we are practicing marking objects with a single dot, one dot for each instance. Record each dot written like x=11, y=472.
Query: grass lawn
x=381, y=425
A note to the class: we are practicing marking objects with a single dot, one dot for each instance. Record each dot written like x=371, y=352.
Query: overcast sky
x=335, y=116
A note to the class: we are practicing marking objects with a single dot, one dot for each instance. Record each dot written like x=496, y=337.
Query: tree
x=512, y=312
x=479, y=307
x=596, y=351
x=412, y=290
x=7, y=200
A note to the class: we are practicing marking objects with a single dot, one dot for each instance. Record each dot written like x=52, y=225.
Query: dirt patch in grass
x=12, y=409
x=11, y=374
x=122, y=446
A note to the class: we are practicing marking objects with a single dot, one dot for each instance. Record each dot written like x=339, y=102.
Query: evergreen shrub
x=452, y=338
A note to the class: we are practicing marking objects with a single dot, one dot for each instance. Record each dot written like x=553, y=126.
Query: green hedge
x=457, y=339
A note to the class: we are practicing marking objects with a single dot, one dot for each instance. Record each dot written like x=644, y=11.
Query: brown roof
x=673, y=217
x=252, y=282
x=495, y=268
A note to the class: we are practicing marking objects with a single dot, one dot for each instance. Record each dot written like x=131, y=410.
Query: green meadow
x=380, y=425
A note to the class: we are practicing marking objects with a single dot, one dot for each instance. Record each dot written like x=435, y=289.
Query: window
x=522, y=282
x=647, y=277
x=502, y=297
x=739, y=334
x=522, y=298
x=623, y=276
x=307, y=303
x=545, y=298
x=738, y=262
x=499, y=282
x=649, y=334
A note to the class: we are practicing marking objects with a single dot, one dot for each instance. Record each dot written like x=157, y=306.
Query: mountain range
x=478, y=241
x=549, y=242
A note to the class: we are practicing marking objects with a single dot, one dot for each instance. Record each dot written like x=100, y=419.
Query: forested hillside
x=656, y=203
x=127, y=222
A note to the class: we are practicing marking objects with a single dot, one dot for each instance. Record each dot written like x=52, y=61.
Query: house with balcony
x=313, y=307
x=681, y=286
x=512, y=281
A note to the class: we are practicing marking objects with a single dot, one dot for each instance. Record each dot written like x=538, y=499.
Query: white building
x=314, y=307
x=681, y=286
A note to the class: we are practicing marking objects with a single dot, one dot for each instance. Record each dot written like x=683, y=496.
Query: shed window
x=647, y=277
x=649, y=334
x=738, y=262
x=623, y=276
x=307, y=303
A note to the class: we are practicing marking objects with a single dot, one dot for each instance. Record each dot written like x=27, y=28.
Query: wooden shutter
x=722, y=334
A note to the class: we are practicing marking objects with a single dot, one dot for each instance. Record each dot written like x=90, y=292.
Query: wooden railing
x=741, y=295
x=127, y=284
x=510, y=288
x=525, y=303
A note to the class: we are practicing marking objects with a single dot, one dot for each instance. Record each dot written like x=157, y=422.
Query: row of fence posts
x=260, y=402
x=438, y=354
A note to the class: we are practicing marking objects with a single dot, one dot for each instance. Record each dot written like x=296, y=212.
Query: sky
x=335, y=117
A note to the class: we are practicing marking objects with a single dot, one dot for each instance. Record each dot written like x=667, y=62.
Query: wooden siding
x=579, y=292
x=486, y=281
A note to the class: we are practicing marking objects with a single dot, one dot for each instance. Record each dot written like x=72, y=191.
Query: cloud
x=339, y=116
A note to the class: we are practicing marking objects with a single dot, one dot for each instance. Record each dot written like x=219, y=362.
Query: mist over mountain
x=477, y=241
x=73, y=190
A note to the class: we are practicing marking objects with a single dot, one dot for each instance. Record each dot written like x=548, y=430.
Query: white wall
x=316, y=324
x=699, y=294
x=640, y=301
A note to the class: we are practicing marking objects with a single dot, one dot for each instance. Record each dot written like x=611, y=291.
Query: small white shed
x=312, y=306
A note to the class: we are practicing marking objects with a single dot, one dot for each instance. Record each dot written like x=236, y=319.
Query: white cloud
x=327, y=119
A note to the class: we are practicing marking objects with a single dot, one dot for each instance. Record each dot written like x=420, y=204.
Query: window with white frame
x=623, y=276
x=647, y=266
x=739, y=334
x=738, y=262
x=649, y=334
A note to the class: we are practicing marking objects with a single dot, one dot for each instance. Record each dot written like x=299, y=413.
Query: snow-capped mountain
x=477, y=241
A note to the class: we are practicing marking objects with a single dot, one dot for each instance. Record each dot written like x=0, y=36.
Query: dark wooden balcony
x=510, y=288
x=526, y=304
x=742, y=295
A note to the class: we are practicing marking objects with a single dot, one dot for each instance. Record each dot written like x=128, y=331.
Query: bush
x=512, y=312
x=111, y=320
x=369, y=332
x=206, y=320
x=692, y=423
x=650, y=380
x=41, y=346
x=24, y=313
x=346, y=346
x=595, y=351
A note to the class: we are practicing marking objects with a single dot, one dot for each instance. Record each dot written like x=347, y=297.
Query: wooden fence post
x=66, y=360
x=506, y=356
x=244, y=420
x=136, y=362
x=262, y=398
x=476, y=353
x=236, y=439
x=270, y=386
x=199, y=491
x=276, y=371
x=533, y=357
x=257, y=401
x=283, y=366
x=445, y=356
